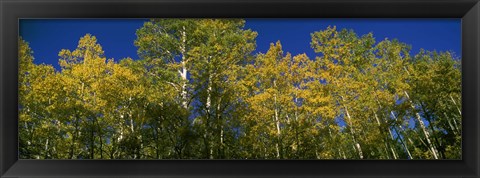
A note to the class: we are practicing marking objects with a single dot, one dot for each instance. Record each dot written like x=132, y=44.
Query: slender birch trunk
x=74, y=136
x=208, y=106
x=277, y=120
x=206, y=138
x=437, y=143
x=46, y=148
x=184, y=71
x=452, y=126
x=404, y=143
x=459, y=112
x=221, y=132
x=424, y=129
x=455, y=103
x=388, y=128
x=352, y=131
x=422, y=125
x=387, y=144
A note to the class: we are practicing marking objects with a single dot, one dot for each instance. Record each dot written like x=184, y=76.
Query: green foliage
x=198, y=92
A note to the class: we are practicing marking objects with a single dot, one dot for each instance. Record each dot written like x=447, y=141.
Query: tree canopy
x=198, y=91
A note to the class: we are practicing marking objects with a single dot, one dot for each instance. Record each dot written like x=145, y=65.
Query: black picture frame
x=12, y=10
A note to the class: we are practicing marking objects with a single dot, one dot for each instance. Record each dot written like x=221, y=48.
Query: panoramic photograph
x=238, y=89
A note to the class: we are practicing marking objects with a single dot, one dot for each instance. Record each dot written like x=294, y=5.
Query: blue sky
x=48, y=37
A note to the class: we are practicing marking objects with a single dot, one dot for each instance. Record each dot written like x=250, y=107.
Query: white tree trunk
x=296, y=107
x=452, y=126
x=455, y=103
x=352, y=131
x=184, y=71
x=391, y=135
x=277, y=120
x=208, y=106
x=422, y=125
x=46, y=145
x=209, y=95
x=221, y=124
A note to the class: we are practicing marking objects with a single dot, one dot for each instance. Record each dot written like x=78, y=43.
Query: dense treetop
x=199, y=92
